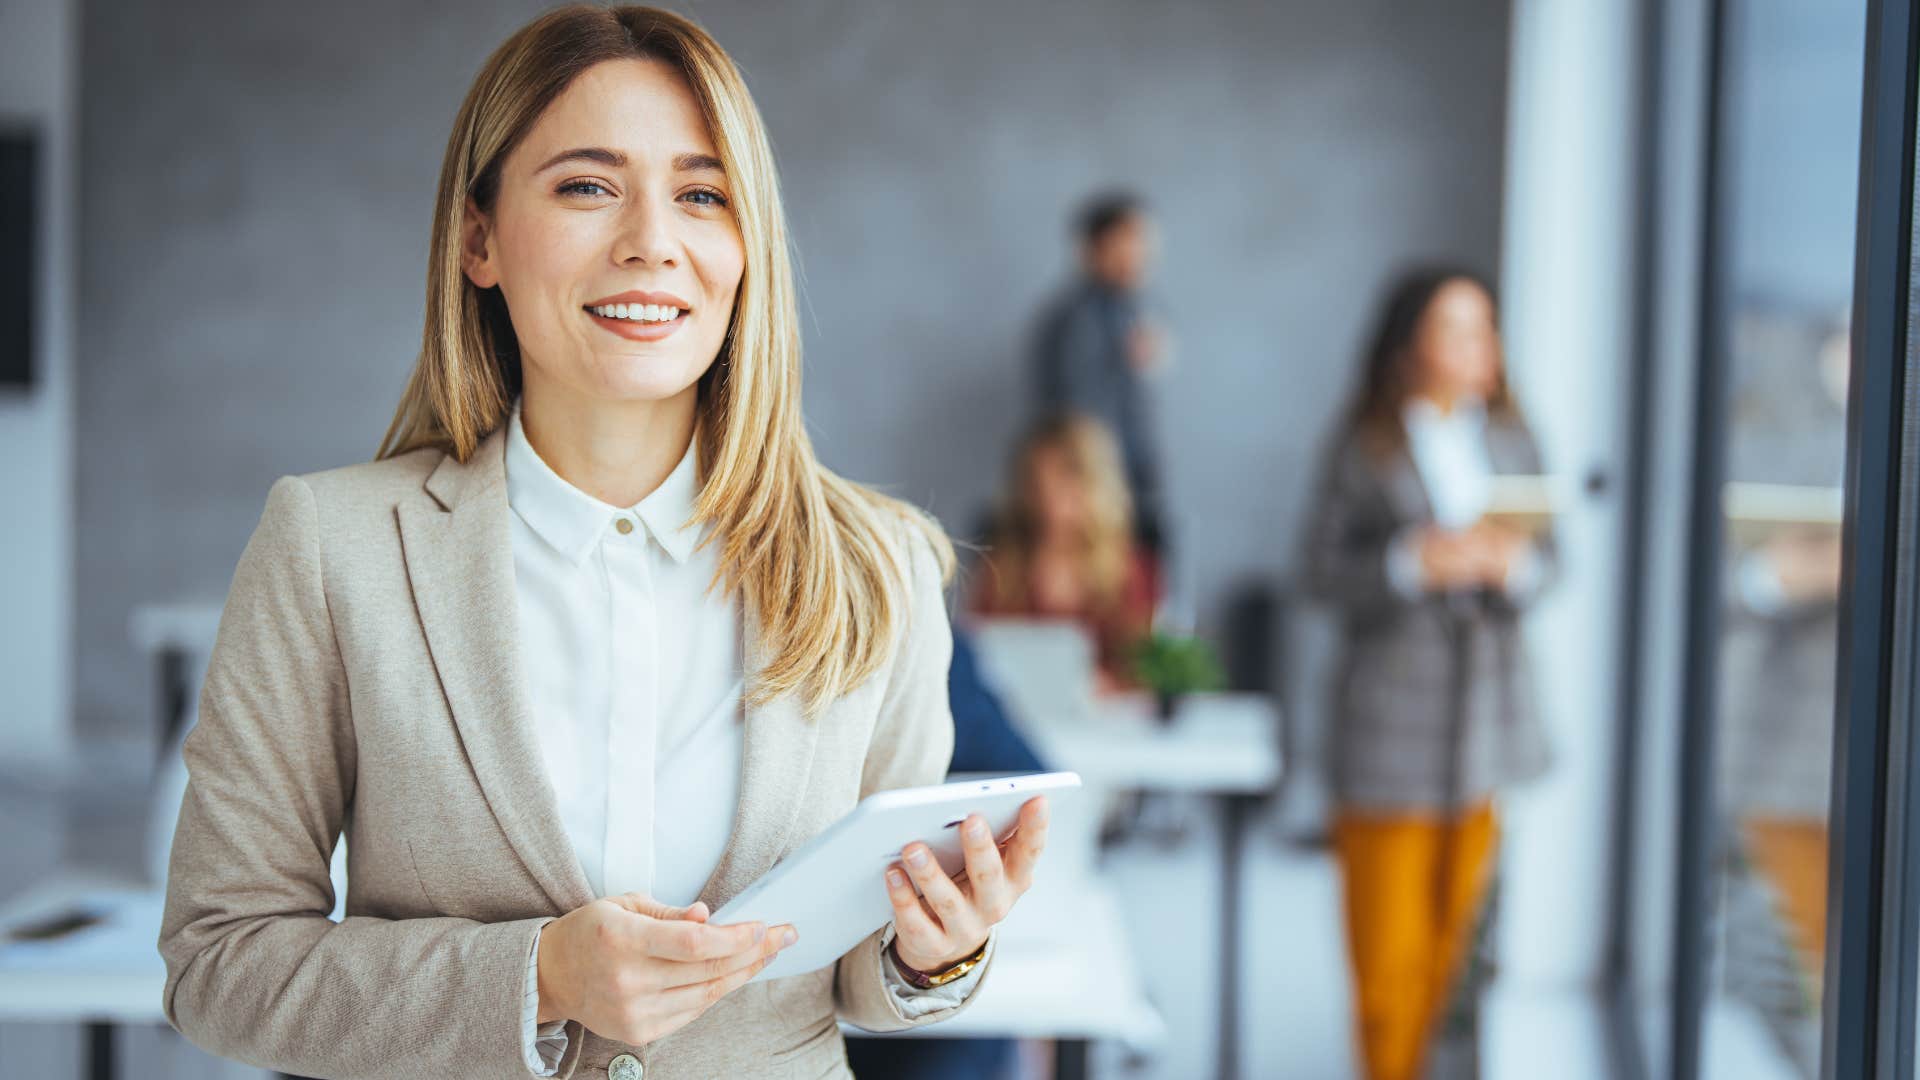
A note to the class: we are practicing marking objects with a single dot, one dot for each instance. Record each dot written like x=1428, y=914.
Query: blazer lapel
x=776, y=763
x=459, y=554
x=1406, y=492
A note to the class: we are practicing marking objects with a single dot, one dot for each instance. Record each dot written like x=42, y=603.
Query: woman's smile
x=640, y=316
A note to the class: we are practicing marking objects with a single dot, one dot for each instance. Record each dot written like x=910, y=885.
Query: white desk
x=108, y=973
x=1223, y=745
x=1062, y=970
x=105, y=974
x=1216, y=744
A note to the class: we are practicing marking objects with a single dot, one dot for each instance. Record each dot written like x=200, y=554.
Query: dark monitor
x=19, y=194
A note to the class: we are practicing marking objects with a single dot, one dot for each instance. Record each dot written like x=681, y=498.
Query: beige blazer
x=366, y=679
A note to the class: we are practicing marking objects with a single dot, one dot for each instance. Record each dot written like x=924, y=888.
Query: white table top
x=1062, y=968
x=109, y=971
x=1217, y=743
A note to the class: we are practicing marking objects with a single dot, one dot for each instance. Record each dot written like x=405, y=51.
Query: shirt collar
x=572, y=521
x=1467, y=413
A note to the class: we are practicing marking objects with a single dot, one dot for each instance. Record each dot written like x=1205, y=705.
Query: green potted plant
x=1171, y=666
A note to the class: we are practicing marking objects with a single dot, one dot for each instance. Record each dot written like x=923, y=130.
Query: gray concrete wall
x=257, y=183
x=39, y=55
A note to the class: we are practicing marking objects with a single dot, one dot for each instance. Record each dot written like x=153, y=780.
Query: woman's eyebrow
x=614, y=159
x=698, y=163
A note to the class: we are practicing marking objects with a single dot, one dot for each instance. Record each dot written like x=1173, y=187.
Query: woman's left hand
x=949, y=920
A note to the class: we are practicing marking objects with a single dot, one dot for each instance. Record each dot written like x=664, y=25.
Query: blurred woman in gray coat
x=1432, y=705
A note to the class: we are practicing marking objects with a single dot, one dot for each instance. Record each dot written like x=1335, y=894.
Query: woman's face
x=1055, y=489
x=1456, y=350
x=616, y=196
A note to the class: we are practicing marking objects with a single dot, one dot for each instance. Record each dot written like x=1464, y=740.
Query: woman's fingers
x=986, y=876
x=910, y=916
x=1029, y=840
x=696, y=998
x=688, y=941
x=642, y=904
x=939, y=890
x=676, y=973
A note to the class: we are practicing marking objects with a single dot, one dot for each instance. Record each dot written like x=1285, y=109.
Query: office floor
x=1294, y=986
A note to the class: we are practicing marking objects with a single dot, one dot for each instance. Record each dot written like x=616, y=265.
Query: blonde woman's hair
x=816, y=557
x=1106, y=543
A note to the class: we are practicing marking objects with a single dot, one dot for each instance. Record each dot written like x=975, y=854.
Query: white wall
x=1567, y=297
x=37, y=65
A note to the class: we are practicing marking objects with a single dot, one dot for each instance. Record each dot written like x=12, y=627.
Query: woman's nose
x=646, y=236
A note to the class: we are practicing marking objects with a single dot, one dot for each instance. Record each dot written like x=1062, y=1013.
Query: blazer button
x=624, y=1067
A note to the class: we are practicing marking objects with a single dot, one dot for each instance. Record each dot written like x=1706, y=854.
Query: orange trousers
x=1792, y=853
x=1413, y=896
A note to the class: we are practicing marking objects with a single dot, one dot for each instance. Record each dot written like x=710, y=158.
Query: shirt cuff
x=1523, y=575
x=1403, y=564
x=915, y=1002
x=542, y=1045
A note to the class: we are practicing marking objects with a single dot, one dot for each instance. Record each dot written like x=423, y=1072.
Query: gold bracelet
x=926, y=981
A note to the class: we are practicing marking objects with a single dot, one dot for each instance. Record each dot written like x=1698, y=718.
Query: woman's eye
x=578, y=187
x=706, y=197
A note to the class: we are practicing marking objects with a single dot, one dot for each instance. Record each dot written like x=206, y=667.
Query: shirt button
x=625, y=526
x=624, y=1067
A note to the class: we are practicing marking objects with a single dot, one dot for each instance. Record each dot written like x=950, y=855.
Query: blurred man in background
x=1097, y=345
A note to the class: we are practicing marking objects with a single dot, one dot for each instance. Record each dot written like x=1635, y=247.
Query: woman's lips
x=636, y=330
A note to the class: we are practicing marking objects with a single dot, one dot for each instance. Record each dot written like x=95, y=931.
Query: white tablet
x=833, y=888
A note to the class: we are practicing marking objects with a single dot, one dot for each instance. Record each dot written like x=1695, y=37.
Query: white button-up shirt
x=634, y=672
x=1449, y=453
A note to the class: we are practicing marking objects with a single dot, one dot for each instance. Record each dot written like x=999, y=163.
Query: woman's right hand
x=1448, y=560
x=1478, y=557
x=634, y=970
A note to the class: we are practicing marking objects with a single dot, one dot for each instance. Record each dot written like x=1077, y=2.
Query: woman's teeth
x=637, y=312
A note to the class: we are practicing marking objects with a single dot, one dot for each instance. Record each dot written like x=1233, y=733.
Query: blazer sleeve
x=256, y=971
x=1348, y=533
x=912, y=745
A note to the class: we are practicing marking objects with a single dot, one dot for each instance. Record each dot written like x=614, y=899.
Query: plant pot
x=1165, y=705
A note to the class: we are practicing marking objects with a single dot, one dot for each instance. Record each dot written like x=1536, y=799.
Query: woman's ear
x=476, y=247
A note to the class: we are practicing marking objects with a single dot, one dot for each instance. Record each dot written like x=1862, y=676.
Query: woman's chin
x=641, y=378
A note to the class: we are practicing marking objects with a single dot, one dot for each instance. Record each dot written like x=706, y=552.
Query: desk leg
x=1234, y=809
x=1070, y=1059
x=100, y=1063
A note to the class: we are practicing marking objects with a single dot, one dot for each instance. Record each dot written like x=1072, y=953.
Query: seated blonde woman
x=1062, y=545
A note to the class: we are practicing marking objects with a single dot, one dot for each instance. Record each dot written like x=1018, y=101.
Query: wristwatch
x=924, y=981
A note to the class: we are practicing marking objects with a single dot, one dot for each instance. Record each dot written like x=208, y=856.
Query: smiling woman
x=588, y=201
x=592, y=644
x=614, y=155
